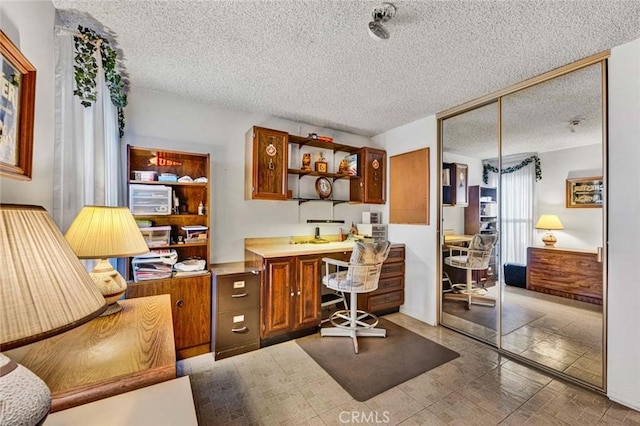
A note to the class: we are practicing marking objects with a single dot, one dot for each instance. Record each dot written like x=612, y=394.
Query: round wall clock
x=323, y=187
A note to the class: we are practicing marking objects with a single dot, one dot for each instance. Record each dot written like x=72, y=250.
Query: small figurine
x=321, y=164
x=306, y=161
x=343, y=168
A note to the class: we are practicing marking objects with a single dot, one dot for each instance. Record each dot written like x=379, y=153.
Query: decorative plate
x=323, y=187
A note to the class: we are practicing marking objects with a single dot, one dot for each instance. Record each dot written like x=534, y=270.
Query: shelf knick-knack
x=306, y=161
x=321, y=165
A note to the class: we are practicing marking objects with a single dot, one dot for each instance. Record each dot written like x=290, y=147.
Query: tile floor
x=567, y=338
x=281, y=384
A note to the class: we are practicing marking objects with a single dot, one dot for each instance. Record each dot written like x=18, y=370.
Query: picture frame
x=585, y=192
x=17, y=107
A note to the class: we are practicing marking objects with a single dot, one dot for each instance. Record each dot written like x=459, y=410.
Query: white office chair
x=475, y=257
x=359, y=275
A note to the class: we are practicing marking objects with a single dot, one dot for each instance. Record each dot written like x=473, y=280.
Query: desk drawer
x=391, y=269
x=396, y=254
x=389, y=284
x=238, y=291
x=385, y=301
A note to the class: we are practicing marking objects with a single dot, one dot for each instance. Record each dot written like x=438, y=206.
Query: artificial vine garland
x=86, y=70
x=489, y=168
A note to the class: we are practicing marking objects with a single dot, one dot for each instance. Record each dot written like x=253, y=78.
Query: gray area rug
x=513, y=317
x=381, y=363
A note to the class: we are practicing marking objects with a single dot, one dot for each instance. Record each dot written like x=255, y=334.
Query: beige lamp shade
x=549, y=222
x=44, y=288
x=101, y=232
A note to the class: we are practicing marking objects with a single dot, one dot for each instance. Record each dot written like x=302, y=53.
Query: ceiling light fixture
x=380, y=15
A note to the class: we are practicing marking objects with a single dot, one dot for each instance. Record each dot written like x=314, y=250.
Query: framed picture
x=585, y=192
x=17, y=104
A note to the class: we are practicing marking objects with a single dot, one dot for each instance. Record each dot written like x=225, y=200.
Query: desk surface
x=164, y=404
x=449, y=239
x=108, y=355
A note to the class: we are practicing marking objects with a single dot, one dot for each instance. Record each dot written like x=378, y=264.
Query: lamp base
x=549, y=240
x=26, y=399
x=111, y=284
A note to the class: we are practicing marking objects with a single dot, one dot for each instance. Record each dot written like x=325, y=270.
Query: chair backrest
x=365, y=265
x=479, y=250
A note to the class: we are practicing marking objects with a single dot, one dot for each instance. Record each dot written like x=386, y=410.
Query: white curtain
x=86, y=159
x=517, y=201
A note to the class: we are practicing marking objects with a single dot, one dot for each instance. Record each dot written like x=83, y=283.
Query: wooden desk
x=571, y=273
x=108, y=355
x=457, y=239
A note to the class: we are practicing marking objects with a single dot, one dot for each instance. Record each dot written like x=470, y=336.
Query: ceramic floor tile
x=426, y=389
x=394, y=405
x=324, y=394
x=458, y=410
x=349, y=412
x=422, y=418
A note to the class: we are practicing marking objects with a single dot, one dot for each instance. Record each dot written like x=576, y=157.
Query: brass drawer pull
x=240, y=295
x=240, y=330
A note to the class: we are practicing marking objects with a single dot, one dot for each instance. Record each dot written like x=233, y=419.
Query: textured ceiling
x=314, y=62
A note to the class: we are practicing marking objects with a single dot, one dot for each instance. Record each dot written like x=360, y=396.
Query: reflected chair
x=359, y=275
x=475, y=257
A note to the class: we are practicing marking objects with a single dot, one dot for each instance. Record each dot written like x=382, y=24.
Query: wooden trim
x=593, y=59
x=26, y=111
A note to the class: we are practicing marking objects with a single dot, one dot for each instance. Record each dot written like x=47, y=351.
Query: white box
x=157, y=236
x=148, y=200
x=371, y=217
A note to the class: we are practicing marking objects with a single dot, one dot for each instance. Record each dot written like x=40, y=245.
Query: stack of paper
x=156, y=264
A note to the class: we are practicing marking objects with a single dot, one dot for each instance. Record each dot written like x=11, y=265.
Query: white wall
x=623, y=349
x=420, y=240
x=582, y=226
x=159, y=120
x=29, y=25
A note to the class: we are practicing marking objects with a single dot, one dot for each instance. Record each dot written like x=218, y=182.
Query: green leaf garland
x=533, y=159
x=86, y=70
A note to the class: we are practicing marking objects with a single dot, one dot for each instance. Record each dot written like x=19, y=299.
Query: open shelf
x=156, y=182
x=334, y=176
x=304, y=200
x=305, y=141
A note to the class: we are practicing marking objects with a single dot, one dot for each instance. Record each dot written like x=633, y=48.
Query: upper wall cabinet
x=454, y=184
x=372, y=167
x=266, y=164
x=268, y=168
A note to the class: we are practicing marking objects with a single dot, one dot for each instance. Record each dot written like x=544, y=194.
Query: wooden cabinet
x=291, y=294
x=454, y=184
x=268, y=168
x=370, y=187
x=236, y=314
x=574, y=274
x=266, y=163
x=390, y=293
x=481, y=217
x=190, y=308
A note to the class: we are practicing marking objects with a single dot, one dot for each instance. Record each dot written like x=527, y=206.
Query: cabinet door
x=191, y=298
x=269, y=164
x=454, y=184
x=307, y=305
x=278, y=296
x=372, y=166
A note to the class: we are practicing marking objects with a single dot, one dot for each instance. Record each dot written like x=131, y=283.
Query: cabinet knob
x=180, y=303
x=255, y=272
x=292, y=294
x=298, y=292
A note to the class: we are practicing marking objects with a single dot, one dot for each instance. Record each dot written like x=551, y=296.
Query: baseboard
x=624, y=401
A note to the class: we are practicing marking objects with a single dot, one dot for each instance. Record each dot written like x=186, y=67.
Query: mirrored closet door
x=522, y=257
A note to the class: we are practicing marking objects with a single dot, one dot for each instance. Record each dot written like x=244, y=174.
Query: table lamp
x=549, y=222
x=44, y=291
x=101, y=232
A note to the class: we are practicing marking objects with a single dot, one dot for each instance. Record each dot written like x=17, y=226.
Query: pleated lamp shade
x=102, y=232
x=44, y=288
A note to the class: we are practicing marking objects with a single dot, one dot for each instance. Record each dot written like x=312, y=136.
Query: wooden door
x=191, y=299
x=278, y=296
x=269, y=164
x=372, y=166
x=307, y=303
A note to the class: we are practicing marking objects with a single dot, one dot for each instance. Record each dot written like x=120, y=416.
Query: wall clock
x=323, y=187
